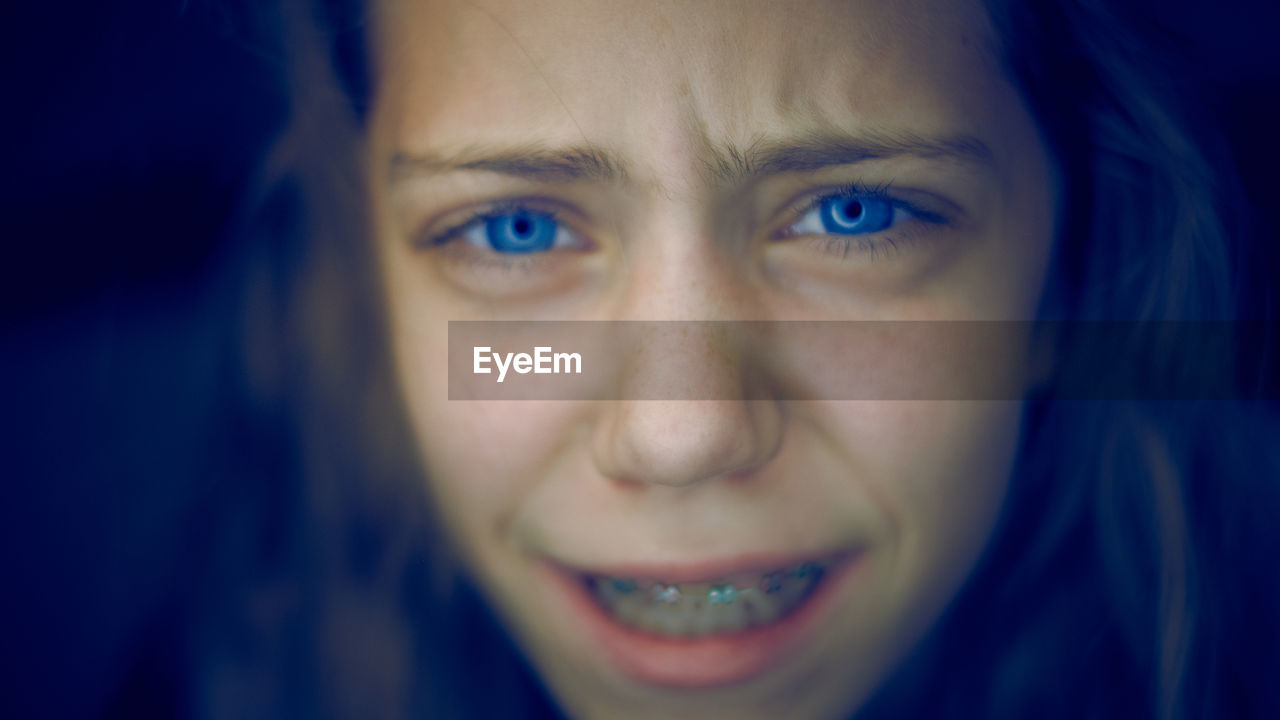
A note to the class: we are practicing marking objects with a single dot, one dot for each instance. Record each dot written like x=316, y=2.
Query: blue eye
x=521, y=231
x=852, y=215
x=848, y=214
x=512, y=229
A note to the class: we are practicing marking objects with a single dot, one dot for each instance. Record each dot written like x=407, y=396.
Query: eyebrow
x=533, y=162
x=730, y=165
x=724, y=165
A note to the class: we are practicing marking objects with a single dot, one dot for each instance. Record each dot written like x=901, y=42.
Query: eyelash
x=493, y=212
x=869, y=244
x=503, y=262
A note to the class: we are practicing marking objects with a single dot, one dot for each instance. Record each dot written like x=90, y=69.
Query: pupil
x=521, y=226
x=853, y=209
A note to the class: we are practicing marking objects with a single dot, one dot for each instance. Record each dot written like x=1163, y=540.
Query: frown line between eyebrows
x=726, y=165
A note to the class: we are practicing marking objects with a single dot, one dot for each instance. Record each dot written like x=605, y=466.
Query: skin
x=665, y=89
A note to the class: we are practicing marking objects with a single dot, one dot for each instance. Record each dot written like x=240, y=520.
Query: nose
x=693, y=406
x=681, y=443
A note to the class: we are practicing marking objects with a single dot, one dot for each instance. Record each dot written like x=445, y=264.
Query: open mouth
x=730, y=604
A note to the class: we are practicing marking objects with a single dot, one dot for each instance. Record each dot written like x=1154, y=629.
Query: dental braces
x=723, y=593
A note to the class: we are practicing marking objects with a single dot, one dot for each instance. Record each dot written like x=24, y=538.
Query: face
x=750, y=555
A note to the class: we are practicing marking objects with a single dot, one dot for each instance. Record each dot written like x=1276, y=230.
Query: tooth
x=752, y=611
x=603, y=589
x=695, y=589
x=771, y=582
x=629, y=609
x=790, y=591
x=804, y=570
x=722, y=594
x=733, y=617
x=704, y=622
x=718, y=618
x=731, y=604
x=675, y=620
x=666, y=593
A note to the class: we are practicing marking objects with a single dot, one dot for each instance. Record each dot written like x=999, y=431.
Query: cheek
x=472, y=453
x=483, y=459
x=938, y=472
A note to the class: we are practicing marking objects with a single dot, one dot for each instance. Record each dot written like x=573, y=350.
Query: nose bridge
x=685, y=361
x=689, y=405
x=681, y=268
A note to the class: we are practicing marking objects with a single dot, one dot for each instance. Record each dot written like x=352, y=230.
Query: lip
x=706, y=661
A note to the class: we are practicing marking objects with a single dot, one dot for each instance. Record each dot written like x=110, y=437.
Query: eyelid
x=812, y=200
x=915, y=221
x=482, y=219
x=427, y=237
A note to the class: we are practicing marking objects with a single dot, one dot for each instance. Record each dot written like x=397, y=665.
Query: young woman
x=213, y=518
x=755, y=543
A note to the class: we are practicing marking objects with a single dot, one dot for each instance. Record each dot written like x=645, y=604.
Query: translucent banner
x=801, y=360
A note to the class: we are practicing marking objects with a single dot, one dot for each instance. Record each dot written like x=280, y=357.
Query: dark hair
x=206, y=508
x=1126, y=577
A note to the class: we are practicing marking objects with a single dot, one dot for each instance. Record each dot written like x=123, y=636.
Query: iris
x=855, y=215
x=521, y=231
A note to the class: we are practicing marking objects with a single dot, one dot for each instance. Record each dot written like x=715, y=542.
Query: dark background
x=130, y=132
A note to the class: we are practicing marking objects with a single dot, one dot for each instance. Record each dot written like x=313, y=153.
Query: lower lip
x=701, y=662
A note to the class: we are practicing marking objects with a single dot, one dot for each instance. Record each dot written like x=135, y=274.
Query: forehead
x=667, y=79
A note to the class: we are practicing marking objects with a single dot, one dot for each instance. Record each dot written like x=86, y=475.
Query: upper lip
x=707, y=570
